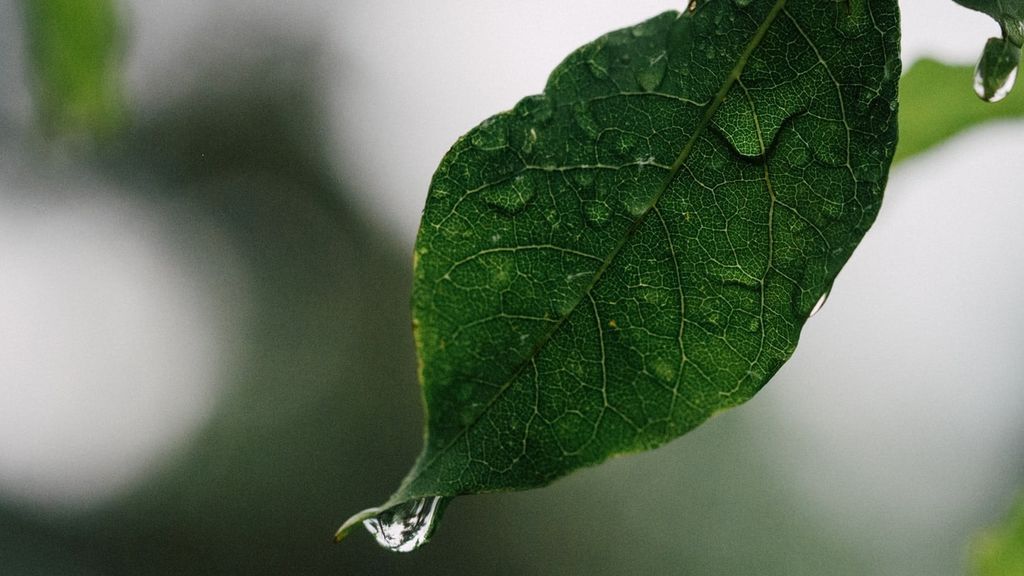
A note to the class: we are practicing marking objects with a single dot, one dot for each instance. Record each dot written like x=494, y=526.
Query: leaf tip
x=354, y=521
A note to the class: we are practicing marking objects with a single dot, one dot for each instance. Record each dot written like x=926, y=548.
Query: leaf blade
x=75, y=56
x=626, y=317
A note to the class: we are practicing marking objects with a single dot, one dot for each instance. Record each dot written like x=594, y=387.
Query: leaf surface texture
x=608, y=264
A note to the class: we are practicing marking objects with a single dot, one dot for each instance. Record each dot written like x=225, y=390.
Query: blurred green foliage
x=1000, y=550
x=76, y=50
x=937, y=103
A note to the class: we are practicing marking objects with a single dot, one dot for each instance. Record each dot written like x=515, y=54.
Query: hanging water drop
x=408, y=526
x=820, y=304
x=997, y=70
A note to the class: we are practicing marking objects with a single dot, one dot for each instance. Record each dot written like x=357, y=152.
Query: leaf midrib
x=674, y=170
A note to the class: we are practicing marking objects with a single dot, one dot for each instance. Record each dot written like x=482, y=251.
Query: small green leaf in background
x=604, y=267
x=935, y=107
x=999, y=551
x=75, y=60
x=997, y=69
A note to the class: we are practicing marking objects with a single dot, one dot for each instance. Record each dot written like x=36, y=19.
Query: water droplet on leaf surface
x=537, y=107
x=510, y=196
x=997, y=70
x=596, y=212
x=408, y=526
x=598, y=64
x=489, y=135
x=820, y=304
x=650, y=77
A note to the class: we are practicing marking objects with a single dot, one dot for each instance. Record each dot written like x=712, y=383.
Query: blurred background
x=205, y=356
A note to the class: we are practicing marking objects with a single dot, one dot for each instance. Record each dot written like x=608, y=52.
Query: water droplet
x=537, y=108
x=997, y=70
x=596, y=212
x=408, y=526
x=820, y=304
x=583, y=178
x=798, y=155
x=868, y=172
x=646, y=29
x=665, y=368
x=581, y=114
x=511, y=195
x=650, y=76
x=832, y=208
x=598, y=64
x=892, y=68
x=489, y=135
x=636, y=206
x=530, y=138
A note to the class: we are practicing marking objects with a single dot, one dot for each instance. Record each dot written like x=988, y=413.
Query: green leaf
x=997, y=68
x=1008, y=13
x=604, y=267
x=75, y=53
x=935, y=107
x=999, y=551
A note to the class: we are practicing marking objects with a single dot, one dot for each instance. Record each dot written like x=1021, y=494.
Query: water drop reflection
x=820, y=304
x=408, y=526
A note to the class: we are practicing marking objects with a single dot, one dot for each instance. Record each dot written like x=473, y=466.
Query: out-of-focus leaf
x=999, y=551
x=934, y=106
x=607, y=265
x=75, y=59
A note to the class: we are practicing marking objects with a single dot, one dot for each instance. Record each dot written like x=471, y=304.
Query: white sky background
x=417, y=78
x=917, y=350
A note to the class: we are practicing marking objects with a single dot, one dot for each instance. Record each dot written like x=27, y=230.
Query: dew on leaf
x=999, y=91
x=598, y=64
x=583, y=178
x=489, y=135
x=997, y=69
x=646, y=29
x=408, y=526
x=565, y=265
x=820, y=304
x=650, y=77
x=665, y=369
x=537, y=107
x=596, y=212
x=581, y=114
x=510, y=196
